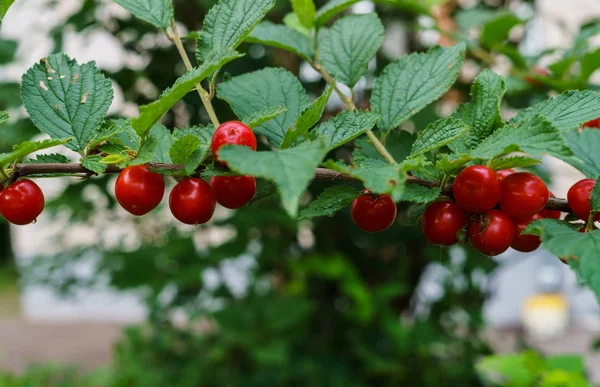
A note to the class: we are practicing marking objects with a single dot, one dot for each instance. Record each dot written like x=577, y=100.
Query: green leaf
x=253, y=92
x=94, y=163
x=108, y=131
x=65, y=99
x=3, y=117
x=568, y=111
x=164, y=140
x=415, y=193
x=448, y=163
x=330, y=9
x=482, y=112
x=595, y=198
x=437, y=134
x=305, y=9
x=50, y=158
x=329, y=202
x=283, y=37
x=582, y=250
x=27, y=147
x=113, y=159
x=259, y=118
x=156, y=12
x=292, y=21
x=151, y=113
x=398, y=143
x=4, y=5
x=496, y=30
x=291, y=169
x=505, y=370
x=128, y=136
x=346, y=48
x=8, y=49
x=589, y=64
x=186, y=151
x=571, y=363
x=585, y=146
x=534, y=136
x=227, y=24
x=414, y=81
x=512, y=162
x=345, y=127
x=204, y=136
x=146, y=152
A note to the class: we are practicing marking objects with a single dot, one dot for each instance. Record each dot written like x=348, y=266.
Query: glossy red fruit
x=477, y=189
x=523, y=195
x=441, y=223
x=503, y=173
x=192, y=201
x=233, y=191
x=22, y=202
x=593, y=123
x=232, y=132
x=491, y=233
x=550, y=214
x=578, y=198
x=139, y=190
x=373, y=213
x=525, y=243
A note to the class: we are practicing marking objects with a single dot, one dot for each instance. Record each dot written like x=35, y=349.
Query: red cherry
x=232, y=132
x=233, y=191
x=523, y=195
x=503, y=173
x=373, y=213
x=477, y=189
x=550, y=214
x=192, y=201
x=442, y=221
x=578, y=198
x=593, y=123
x=139, y=190
x=492, y=233
x=525, y=243
x=22, y=202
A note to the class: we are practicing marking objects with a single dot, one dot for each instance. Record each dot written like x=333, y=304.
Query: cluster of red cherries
x=139, y=190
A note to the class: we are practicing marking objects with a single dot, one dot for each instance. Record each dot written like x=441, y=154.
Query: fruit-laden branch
x=22, y=170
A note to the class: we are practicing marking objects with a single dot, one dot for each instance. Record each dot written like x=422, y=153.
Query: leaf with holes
x=437, y=134
x=156, y=12
x=65, y=99
x=329, y=202
x=280, y=36
x=345, y=127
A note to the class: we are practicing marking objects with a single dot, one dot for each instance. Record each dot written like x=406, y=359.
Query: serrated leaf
x=151, y=113
x=482, y=112
x=227, y=24
x=346, y=48
x=414, y=81
x=65, y=99
x=305, y=9
x=512, y=162
x=182, y=149
x=128, y=136
x=23, y=149
x=585, y=146
x=415, y=193
x=164, y=140
x=3, y=117
x=259, y=118
x=595, y=198
x=451, y=163
x=437, y=134
x=496, y=30
x=534, y=136
x=280, y=36
x=146, y=152
x=204, y=136
x=330, y=9
x=568, y=111
x=107, y=132
x=329, y=202
x=50, y=158
x=156, y=12
x=113, y=159
x=345, y=127
x=94, y=163
x=252, y=92
x=291, y=169
x=4, y=5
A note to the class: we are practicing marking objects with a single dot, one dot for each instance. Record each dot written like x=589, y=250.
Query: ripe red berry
x=593, y=123
x=491, y=233
x=232, y=132
x=477, y=189
x=22, y=202
x=503, y=173
x=550, y=214
x=139, y=190
x=192, y=201
x=373, y=213
x=233, y=191
x=578, y=198
x=442, y=221
x=523, y=195
x=525, y=243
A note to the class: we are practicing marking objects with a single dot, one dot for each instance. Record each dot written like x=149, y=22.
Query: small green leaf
x=415, y=193
x=156, y=12
x=585, y=146
x=346, y=48
x=595, y=198
x=414, y=81
x=330, y=9
x=23, y=149
x=51, y=158
x=291, y=169
x=258, y=118
x=329, y=202
x=496, y=30
x=345, y=127
x=94, y=163
x=183, y=148
x=437, y=134
x=113, y=159
x=253, y=92
x=108, y=131
x=227, y=24
x=164, y=141
x=292, y=21
x=65, y=99
x=589, y=64
x=305, y=9
x=146, y=152
x=3, y=117
x=449, y=164
x=280, y=36
x=512, y=162
x=204, y=136
x=151, y=113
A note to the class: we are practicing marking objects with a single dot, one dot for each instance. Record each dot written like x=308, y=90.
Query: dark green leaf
x=3, y=117
x=182, y=149
x=94, y=163
x=283, y=37
x=8, y=49
x=595, y=198
x=146, y=152
x=329, y=202
x=415, y=193
x=589, y=64
x=345, y=127
x=585, y=147
x=437, y=134
x=156, y=12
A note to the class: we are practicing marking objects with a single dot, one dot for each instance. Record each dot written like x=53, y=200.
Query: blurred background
x=91, y=296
